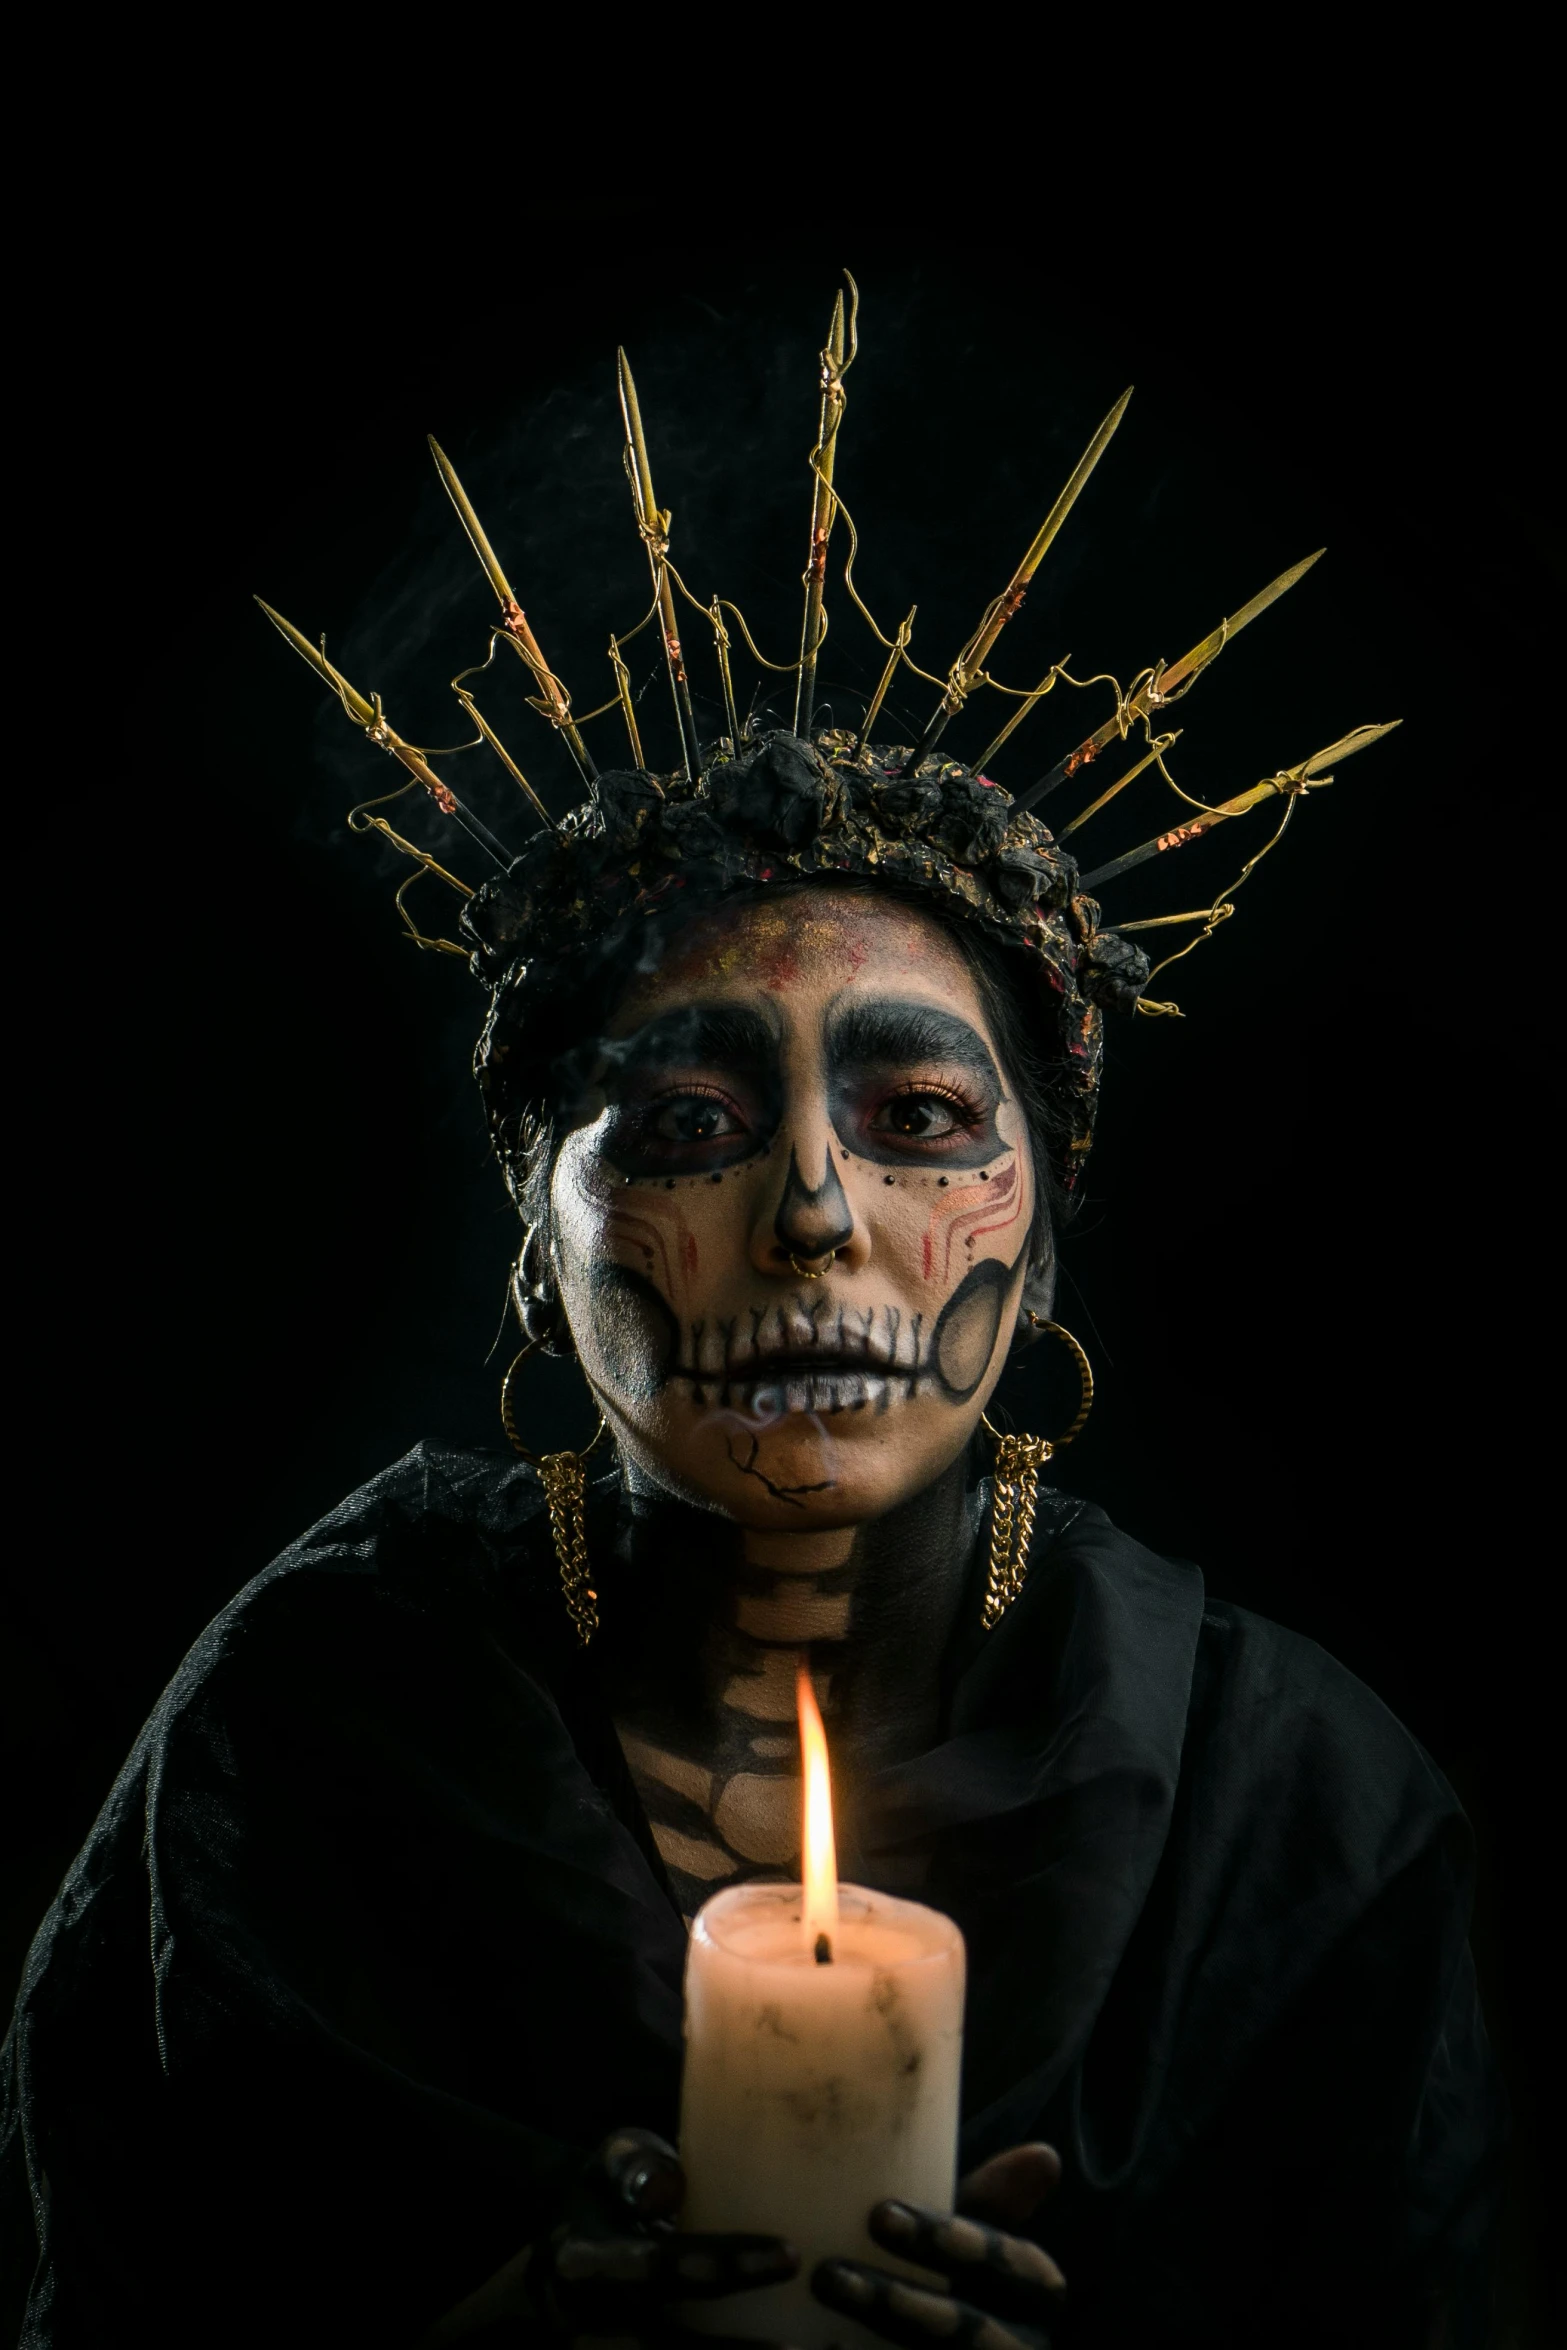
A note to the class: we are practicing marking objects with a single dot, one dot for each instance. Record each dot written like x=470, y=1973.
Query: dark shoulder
x=444, y=1550
x=441, y=1524
x=340, y=1661
x=1315, y=1752
x=1279, y=1739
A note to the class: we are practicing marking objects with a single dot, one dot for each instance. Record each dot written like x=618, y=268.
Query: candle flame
x=818, y=1851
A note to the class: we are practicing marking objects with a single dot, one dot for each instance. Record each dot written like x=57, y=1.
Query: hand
x=614, y=2262
x=991, y=2275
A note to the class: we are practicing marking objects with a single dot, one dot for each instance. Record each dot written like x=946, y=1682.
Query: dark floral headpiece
x=785, y=810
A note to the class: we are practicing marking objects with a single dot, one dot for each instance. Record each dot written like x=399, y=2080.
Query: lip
x=804, y=1362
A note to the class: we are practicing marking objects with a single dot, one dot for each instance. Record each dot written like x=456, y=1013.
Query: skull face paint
x=792, y=1243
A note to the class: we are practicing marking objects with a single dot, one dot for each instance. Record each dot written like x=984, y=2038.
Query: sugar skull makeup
x=793, y=1240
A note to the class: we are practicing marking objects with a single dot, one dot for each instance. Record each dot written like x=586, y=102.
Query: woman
x=358, y=2018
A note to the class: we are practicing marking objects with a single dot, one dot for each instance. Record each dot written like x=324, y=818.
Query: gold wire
x=583, y=718
x=381, y=800
x=440, y=946
x=556, y=704
x=1220, y=911
x=406, y=848
x=783, y=668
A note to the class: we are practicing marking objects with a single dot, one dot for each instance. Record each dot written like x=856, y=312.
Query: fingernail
x=846, y=2280
x=1031, y=2263
x=896, y=2219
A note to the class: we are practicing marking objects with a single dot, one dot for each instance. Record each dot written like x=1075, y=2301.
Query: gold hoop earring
x=820, y=1273
x=562, y=1476
x=1015, y=1488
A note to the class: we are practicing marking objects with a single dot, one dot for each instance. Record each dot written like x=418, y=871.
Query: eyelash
x=966, y=1106
x=695, y=1091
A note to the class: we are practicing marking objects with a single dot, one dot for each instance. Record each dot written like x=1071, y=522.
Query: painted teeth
x=818, y=1391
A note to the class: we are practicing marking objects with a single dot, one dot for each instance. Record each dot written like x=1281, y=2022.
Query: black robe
x=371, y=1941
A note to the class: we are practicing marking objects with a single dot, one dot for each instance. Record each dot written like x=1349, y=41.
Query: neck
x=705, y=1626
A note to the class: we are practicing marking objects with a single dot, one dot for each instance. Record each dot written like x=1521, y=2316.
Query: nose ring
x=813, y=1272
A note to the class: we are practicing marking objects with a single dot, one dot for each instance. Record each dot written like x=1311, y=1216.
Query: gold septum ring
x=817, y=1272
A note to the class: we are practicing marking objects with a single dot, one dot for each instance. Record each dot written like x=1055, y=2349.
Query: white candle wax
x=812, y=2091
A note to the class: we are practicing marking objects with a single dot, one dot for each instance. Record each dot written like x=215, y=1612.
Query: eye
x=928, y=1114
x=920, y=1117
x=686, y=1128
x=693, y=1117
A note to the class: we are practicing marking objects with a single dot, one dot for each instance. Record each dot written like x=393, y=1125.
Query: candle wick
x=823, y=1950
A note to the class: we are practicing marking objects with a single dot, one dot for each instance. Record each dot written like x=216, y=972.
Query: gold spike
x=1132, y=773
x=971, y=660
x=1359, y=738
x=384, y=735
x=1308, y=775
x=1020, y=713
x=353, y=701
x=899, y=645
x=1168, y=921
x=1192, y=663
x=557, y=702
x=653, y=523
x=623, y=688
x=504, y=756
x=989, y=630
x=1155, y=689
x=721, y=647
x=824, y=509
x=471, y=523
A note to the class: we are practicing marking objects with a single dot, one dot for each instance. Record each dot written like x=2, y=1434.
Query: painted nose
x=814, y=1223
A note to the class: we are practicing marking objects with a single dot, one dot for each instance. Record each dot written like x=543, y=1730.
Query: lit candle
x=824, y=2041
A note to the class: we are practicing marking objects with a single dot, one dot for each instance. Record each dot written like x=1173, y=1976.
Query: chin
x=814, y=1468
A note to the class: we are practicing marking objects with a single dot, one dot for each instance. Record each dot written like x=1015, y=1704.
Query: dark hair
x=526, y=1093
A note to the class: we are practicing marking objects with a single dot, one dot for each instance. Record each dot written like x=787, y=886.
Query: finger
x=1010, y=2187
x=703, y=2268
x=680, y=2268
x=1005, y=2274
x=912, y=2315
x=635, y=2171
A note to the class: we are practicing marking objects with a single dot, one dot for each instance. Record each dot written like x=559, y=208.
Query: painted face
x=791, y=1245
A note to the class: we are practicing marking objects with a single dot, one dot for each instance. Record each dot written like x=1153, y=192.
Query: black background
x=267, y=1246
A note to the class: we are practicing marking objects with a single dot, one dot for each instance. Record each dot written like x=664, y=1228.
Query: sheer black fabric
x=371, y=1943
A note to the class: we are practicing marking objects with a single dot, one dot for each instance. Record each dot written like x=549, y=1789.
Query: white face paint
x=792, y=1245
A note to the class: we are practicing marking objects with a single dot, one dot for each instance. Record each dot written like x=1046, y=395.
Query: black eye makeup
x=911, y=1083
x=694, y=1092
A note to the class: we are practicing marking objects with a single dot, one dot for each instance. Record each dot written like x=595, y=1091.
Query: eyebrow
x=895, y=1028
x=732, y=1034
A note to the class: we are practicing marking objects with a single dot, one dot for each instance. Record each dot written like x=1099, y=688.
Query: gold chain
x=1014, y=1491
x=564, y=1481
x=564, y=1478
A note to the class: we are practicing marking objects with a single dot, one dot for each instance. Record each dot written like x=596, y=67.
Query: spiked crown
x=767, y=807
